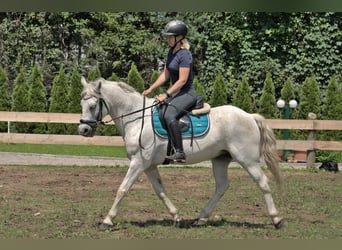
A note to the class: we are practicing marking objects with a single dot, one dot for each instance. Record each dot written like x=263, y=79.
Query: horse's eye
x=92, y=106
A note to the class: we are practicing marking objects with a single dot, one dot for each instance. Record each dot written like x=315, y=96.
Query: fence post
x=310, y=154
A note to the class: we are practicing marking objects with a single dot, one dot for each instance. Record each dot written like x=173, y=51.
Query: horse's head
x=92, y=108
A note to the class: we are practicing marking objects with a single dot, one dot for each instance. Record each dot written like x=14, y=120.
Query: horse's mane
x=91, y=90
x=126, y=87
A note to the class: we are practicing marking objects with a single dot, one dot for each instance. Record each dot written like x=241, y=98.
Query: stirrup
x=179, y=156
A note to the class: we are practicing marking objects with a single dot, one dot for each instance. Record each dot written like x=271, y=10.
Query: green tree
x=134, y=79
x=160, y=89
x=20, y=101
x=309, y=98
x=114, y=78
x=74, y=97
x=332, y=107
x=287, y=92
x=219, y=94
x=200, y=91
x=242, y=96
x=59, y=101
x=37, y=98
x=5, y=103
x=267, y=102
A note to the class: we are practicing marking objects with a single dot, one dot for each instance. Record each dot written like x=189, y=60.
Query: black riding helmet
x=175, y=28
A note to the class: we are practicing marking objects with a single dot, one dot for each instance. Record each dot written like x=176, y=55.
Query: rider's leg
x=177, y=141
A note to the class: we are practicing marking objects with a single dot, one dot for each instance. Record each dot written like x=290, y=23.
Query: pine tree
x=332, y=107
x=200, y=91
x=59, y=101
x=267, y=102
x=5, y=101
x=74, y=97
x=37, y=98
x=134, y=79
x=287, y=93
x=219, y=94
x=309, y=98
x=113, y=78
x=20, y=101
x=160, y=89
x=242, y=96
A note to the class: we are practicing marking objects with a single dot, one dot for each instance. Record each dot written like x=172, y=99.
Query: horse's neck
x=122, y=103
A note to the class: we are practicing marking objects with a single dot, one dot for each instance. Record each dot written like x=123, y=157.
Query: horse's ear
x=98, y=86
x=83, y=81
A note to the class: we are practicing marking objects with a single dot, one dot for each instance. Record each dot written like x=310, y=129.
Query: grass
x=50, y=202
x=77, y=150
x=67, y=203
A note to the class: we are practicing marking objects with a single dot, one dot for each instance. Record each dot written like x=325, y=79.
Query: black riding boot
x=176, y=137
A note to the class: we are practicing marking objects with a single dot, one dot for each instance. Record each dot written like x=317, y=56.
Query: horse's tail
x=268, y=148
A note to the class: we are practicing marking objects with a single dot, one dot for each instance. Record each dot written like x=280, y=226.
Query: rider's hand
x=147, y=92
x=161, y=98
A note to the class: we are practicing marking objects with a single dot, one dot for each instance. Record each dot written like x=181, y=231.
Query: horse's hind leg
x=153, y=175
x=262, y=181
x=220, y=165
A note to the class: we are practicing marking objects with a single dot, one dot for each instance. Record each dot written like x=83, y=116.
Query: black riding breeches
x=176, y=106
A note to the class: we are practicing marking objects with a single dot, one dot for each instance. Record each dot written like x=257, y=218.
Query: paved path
x=10, y=158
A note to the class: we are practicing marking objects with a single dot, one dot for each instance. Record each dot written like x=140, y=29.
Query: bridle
x=94, y=123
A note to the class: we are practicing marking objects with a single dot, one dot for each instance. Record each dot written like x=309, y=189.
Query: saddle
x=194, y=123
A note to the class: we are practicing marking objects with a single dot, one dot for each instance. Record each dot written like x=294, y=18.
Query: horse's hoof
x=199, y=222
x=178, y=222
x=279, y=224
x=105, y=227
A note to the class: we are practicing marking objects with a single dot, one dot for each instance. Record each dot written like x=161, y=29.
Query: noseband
x=94, y=123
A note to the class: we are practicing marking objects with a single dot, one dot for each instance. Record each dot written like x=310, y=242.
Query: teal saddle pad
x=200, y=126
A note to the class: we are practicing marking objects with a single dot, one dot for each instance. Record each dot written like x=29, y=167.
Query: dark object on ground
x=329, y=166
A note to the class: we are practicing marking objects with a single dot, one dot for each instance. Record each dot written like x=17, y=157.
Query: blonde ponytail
x=185, y=44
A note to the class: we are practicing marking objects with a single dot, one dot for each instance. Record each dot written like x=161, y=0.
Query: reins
x=94, y=123
x=136, y=111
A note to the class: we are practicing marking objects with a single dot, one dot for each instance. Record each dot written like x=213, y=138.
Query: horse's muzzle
x=86, y=130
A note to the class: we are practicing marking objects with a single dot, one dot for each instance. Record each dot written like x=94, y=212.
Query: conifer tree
x=267, y=102
x=242, y=96
x=160, y=89
x=309, y=98
x=113, y=78
x=200, y=91
x=5, y=102
x=219, y=94
x=74, y=97
x=287, y=93
x=59, y=101
x=332, y=107
x=37, y=98
x=20, y=101
x=134, y=79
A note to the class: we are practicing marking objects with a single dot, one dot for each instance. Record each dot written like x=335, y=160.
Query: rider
x=181, y=95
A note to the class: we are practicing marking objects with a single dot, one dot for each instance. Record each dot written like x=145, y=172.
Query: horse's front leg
x=153, y=175
x=134, y=171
